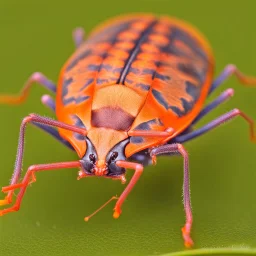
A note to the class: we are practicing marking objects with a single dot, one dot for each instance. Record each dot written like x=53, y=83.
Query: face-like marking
x=93, y=166
x=112, y=117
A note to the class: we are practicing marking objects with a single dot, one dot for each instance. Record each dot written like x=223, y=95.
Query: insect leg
x=226, y=95
x=138, y=171
x=30, y=177
x=178, y=148
x=78, y=36
x=36, y=77
x=48, y=101
x=215, y=123
x=53, y=132
x=232, y=70
x=35, y=119
x=141, y=133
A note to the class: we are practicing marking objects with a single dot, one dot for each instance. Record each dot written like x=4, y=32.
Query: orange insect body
x=133, y=90
x=134, y=71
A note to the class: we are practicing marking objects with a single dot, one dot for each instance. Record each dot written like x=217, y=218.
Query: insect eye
x=113, y=156
x=92, y=158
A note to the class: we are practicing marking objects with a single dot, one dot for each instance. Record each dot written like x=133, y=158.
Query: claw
x=81, y=174
x=117, y=213
x=123, y=179
x=186, y=236
x=5, y=201
x=153, y=160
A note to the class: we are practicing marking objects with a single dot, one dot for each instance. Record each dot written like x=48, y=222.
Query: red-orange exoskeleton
x=132, y=90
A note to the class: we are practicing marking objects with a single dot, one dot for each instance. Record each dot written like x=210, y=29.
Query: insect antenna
x=100, y=208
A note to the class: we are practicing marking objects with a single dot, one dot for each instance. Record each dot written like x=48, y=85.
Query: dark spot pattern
x=144, y=87
x=78, y=123
x=190, y=70
x=193, y=90
x=81, y=56
x=66, y=84
x=93, y=67
x=186, y=38
x=87, y=83
x=146, y=126
x=76, y=100
x=136, y=140
x=148, y=71
x=158, y=96
x=162, y=77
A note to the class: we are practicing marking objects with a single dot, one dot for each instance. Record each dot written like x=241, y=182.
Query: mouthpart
x=100, y=168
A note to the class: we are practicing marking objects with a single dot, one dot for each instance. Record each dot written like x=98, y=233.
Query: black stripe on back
x=135, y=51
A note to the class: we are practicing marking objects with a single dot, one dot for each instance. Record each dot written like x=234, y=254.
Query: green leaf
x=215, y=252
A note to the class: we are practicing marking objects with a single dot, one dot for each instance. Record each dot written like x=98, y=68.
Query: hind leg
x=174, y=149
x=36, y=77
x=226, y=95
x=217, y=122
x=230, y=70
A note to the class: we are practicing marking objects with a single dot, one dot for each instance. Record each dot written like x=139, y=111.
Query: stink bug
x=132, y=90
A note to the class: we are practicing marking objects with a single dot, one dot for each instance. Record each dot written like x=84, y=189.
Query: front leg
x=178, y=148
x=138, y=171
x=30, y=176
x=20, y=151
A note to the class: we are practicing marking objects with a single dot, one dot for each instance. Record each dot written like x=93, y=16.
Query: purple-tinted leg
x=33, y=118
x=232, y=70
x=78, y=36
x=54, y=133
x=227, y=72
x=215, y=123
x=221, y=99
x=36, y=77
x=178, y=148
x=48, y=101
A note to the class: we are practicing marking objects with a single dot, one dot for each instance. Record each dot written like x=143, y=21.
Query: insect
x=134, y=89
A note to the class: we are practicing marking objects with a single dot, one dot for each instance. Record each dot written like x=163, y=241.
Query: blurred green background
x=36, y=36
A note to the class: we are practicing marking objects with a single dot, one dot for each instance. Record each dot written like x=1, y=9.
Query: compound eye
x=113, y=156
x=92, y=158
